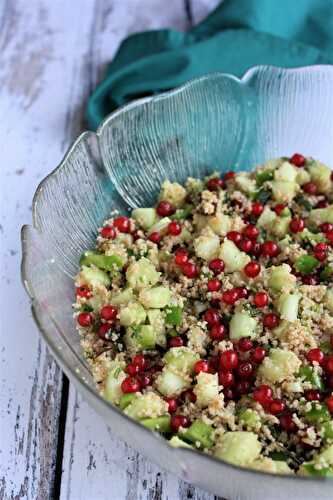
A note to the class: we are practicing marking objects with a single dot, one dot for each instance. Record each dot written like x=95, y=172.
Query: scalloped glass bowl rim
x=69, y=370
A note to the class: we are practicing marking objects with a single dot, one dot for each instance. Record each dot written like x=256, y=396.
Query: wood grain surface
x=52, y=55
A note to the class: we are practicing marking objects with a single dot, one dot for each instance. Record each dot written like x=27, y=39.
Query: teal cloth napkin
x=238, y=34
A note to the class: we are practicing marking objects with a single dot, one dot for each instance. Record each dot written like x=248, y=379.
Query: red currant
x=109, y=313
x=297, y=225
x=108, y=233
x=229, y=297
x=212, y=317
x=258, y=355
x=130, y=385
x=155, y=237
x=228, y=176
x=201, y=366
x=178, y=421
x=181, y=256
x=217, y=266
x=213, y=285
x=315, y=355
x=310, y=188
x=85, y=319
x=123, y=224
x=270, y=249
x=217, y=332
x=234, y=236
x=83, y=291
x=245, y=369
x=276, y=407
x=174, y=228
x=251, y=232
x=176, y=342
x=228, y=360
x=190, y=270
x=287, y=423
x=245, y=245
x=261, y=299
x=103, y=331
x=164, y=208
x=329, y=403
x=298, y=160
x=252, y=269
x=271, y=320
x=214, y=184
x=279, y=208
x=172, y=404
x=226, y=379
x=245, y=344
x=257, y=208
x=263, y=394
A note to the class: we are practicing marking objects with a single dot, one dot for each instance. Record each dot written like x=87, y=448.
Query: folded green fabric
x=238, y=34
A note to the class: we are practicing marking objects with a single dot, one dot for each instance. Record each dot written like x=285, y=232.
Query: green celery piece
x=249, y=418
x=199, y=432
x=160, y=424
x=106, y=262
x=307, y=373
x=174, y=316
x=266, y=175
x=326, y=273
x=318, y=414
x=182, y=213
x=306, y=264
x=126, y=400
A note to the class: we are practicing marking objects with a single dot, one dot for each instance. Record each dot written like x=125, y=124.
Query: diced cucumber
x=244, y=183
x=286, y=172
x=145, y=335
x=199, y=432
x=329, y=299
x=146, y=405
x=306, y=264
x=145, y=217
x=170, y=383
x=158, y=424
x=302, y=176
x=105, y=262
x=160, y=226
x=94, y=277
x=176, y=442
x=207, y=246
x=123, y=297
x=287, y=306
x=142, y=274
x=321, y=175
x=281, y=277
x=325, y=456
x=127, y=399
x=156, y=297
x=284, y=191
x=156, y=320
x=266, y=219
x=220, y=224
x=266, y=464
x=249, y=418
x=238, y=447
x=281, y=226
x=279, y=365
x=233, y=258
x=181, y=359
x=116, y=375
x=310, y=375
x=132, y=314
x=317, y=414
x=242, y=325
x=174, y=316
x=206, y=389
x=173, y=192
x=320, y=215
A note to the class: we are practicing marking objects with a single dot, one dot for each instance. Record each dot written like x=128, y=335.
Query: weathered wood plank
x=96, y=464
x=43, y=49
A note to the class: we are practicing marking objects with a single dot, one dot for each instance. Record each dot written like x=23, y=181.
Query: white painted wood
x=52, y=55
x=44, y=47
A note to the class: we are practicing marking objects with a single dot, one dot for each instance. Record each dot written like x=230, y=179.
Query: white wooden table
x=52, y=55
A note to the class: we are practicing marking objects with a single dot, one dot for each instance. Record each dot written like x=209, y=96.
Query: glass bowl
x=217, y=122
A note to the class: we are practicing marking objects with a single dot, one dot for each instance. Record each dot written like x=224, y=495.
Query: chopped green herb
x=106, y=262
x=86, y=308
x=263, y=195
x=182, y=213
x=303, y=202
x=308, y=373
x=326, y=273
